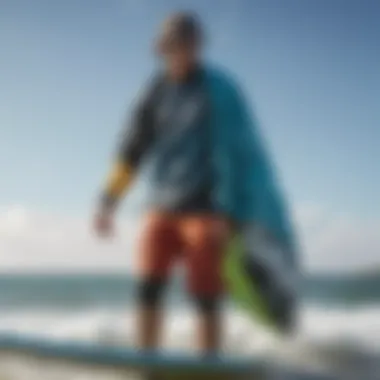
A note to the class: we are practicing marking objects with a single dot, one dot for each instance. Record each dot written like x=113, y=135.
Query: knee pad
x=150, y=292
x=207, y=305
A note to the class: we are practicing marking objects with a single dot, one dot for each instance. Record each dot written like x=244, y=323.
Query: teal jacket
x=248, y=189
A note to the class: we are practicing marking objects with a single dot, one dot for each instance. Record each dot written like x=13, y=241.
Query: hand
x=104, y=223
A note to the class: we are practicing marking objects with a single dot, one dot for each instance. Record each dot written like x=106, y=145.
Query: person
x=190, y=126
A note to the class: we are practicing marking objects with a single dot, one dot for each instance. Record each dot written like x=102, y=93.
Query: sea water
x=100, y=310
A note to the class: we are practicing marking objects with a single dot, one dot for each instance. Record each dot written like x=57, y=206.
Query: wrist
x=108, y=204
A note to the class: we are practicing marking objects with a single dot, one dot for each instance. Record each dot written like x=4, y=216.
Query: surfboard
x=167, y=365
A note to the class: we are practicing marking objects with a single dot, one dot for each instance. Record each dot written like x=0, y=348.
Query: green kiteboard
x=240, y=287
x=247, y=292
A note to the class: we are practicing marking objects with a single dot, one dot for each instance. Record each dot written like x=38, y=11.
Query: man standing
x=192, y=128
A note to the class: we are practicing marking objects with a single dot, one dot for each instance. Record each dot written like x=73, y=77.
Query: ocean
x=337, y=314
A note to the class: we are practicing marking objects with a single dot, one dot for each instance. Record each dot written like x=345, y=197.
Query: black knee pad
x=150, y=292
x=207, y=305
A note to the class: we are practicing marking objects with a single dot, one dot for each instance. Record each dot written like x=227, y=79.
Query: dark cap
x=179, y=29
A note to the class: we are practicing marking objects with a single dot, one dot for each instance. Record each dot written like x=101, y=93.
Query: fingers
x=103, y=225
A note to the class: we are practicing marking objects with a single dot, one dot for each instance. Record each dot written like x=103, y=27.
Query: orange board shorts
x=196, y=240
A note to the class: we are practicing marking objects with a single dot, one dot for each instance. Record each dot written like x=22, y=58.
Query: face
x=180, y=59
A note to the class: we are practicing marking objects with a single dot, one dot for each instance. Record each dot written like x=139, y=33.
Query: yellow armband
x=119, y=180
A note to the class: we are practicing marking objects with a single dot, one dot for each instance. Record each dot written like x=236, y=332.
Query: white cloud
x=336, y=241
x=31, y=240
x=35, y=241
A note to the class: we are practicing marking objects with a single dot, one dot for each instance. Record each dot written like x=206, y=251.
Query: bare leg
x=149, y=327
x=205, y=237
x=158, y=246
x=209, y=329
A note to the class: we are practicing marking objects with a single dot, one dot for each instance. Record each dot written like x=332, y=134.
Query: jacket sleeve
x=139, y=133
x=137, y=138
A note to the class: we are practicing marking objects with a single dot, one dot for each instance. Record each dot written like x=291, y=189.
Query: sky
x=70, y=70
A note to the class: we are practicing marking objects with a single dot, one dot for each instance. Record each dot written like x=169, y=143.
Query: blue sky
x=70, y=69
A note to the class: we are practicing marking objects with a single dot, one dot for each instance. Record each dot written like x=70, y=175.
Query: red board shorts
x=196, y=240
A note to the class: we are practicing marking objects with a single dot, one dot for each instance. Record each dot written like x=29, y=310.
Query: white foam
x=361, y=327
